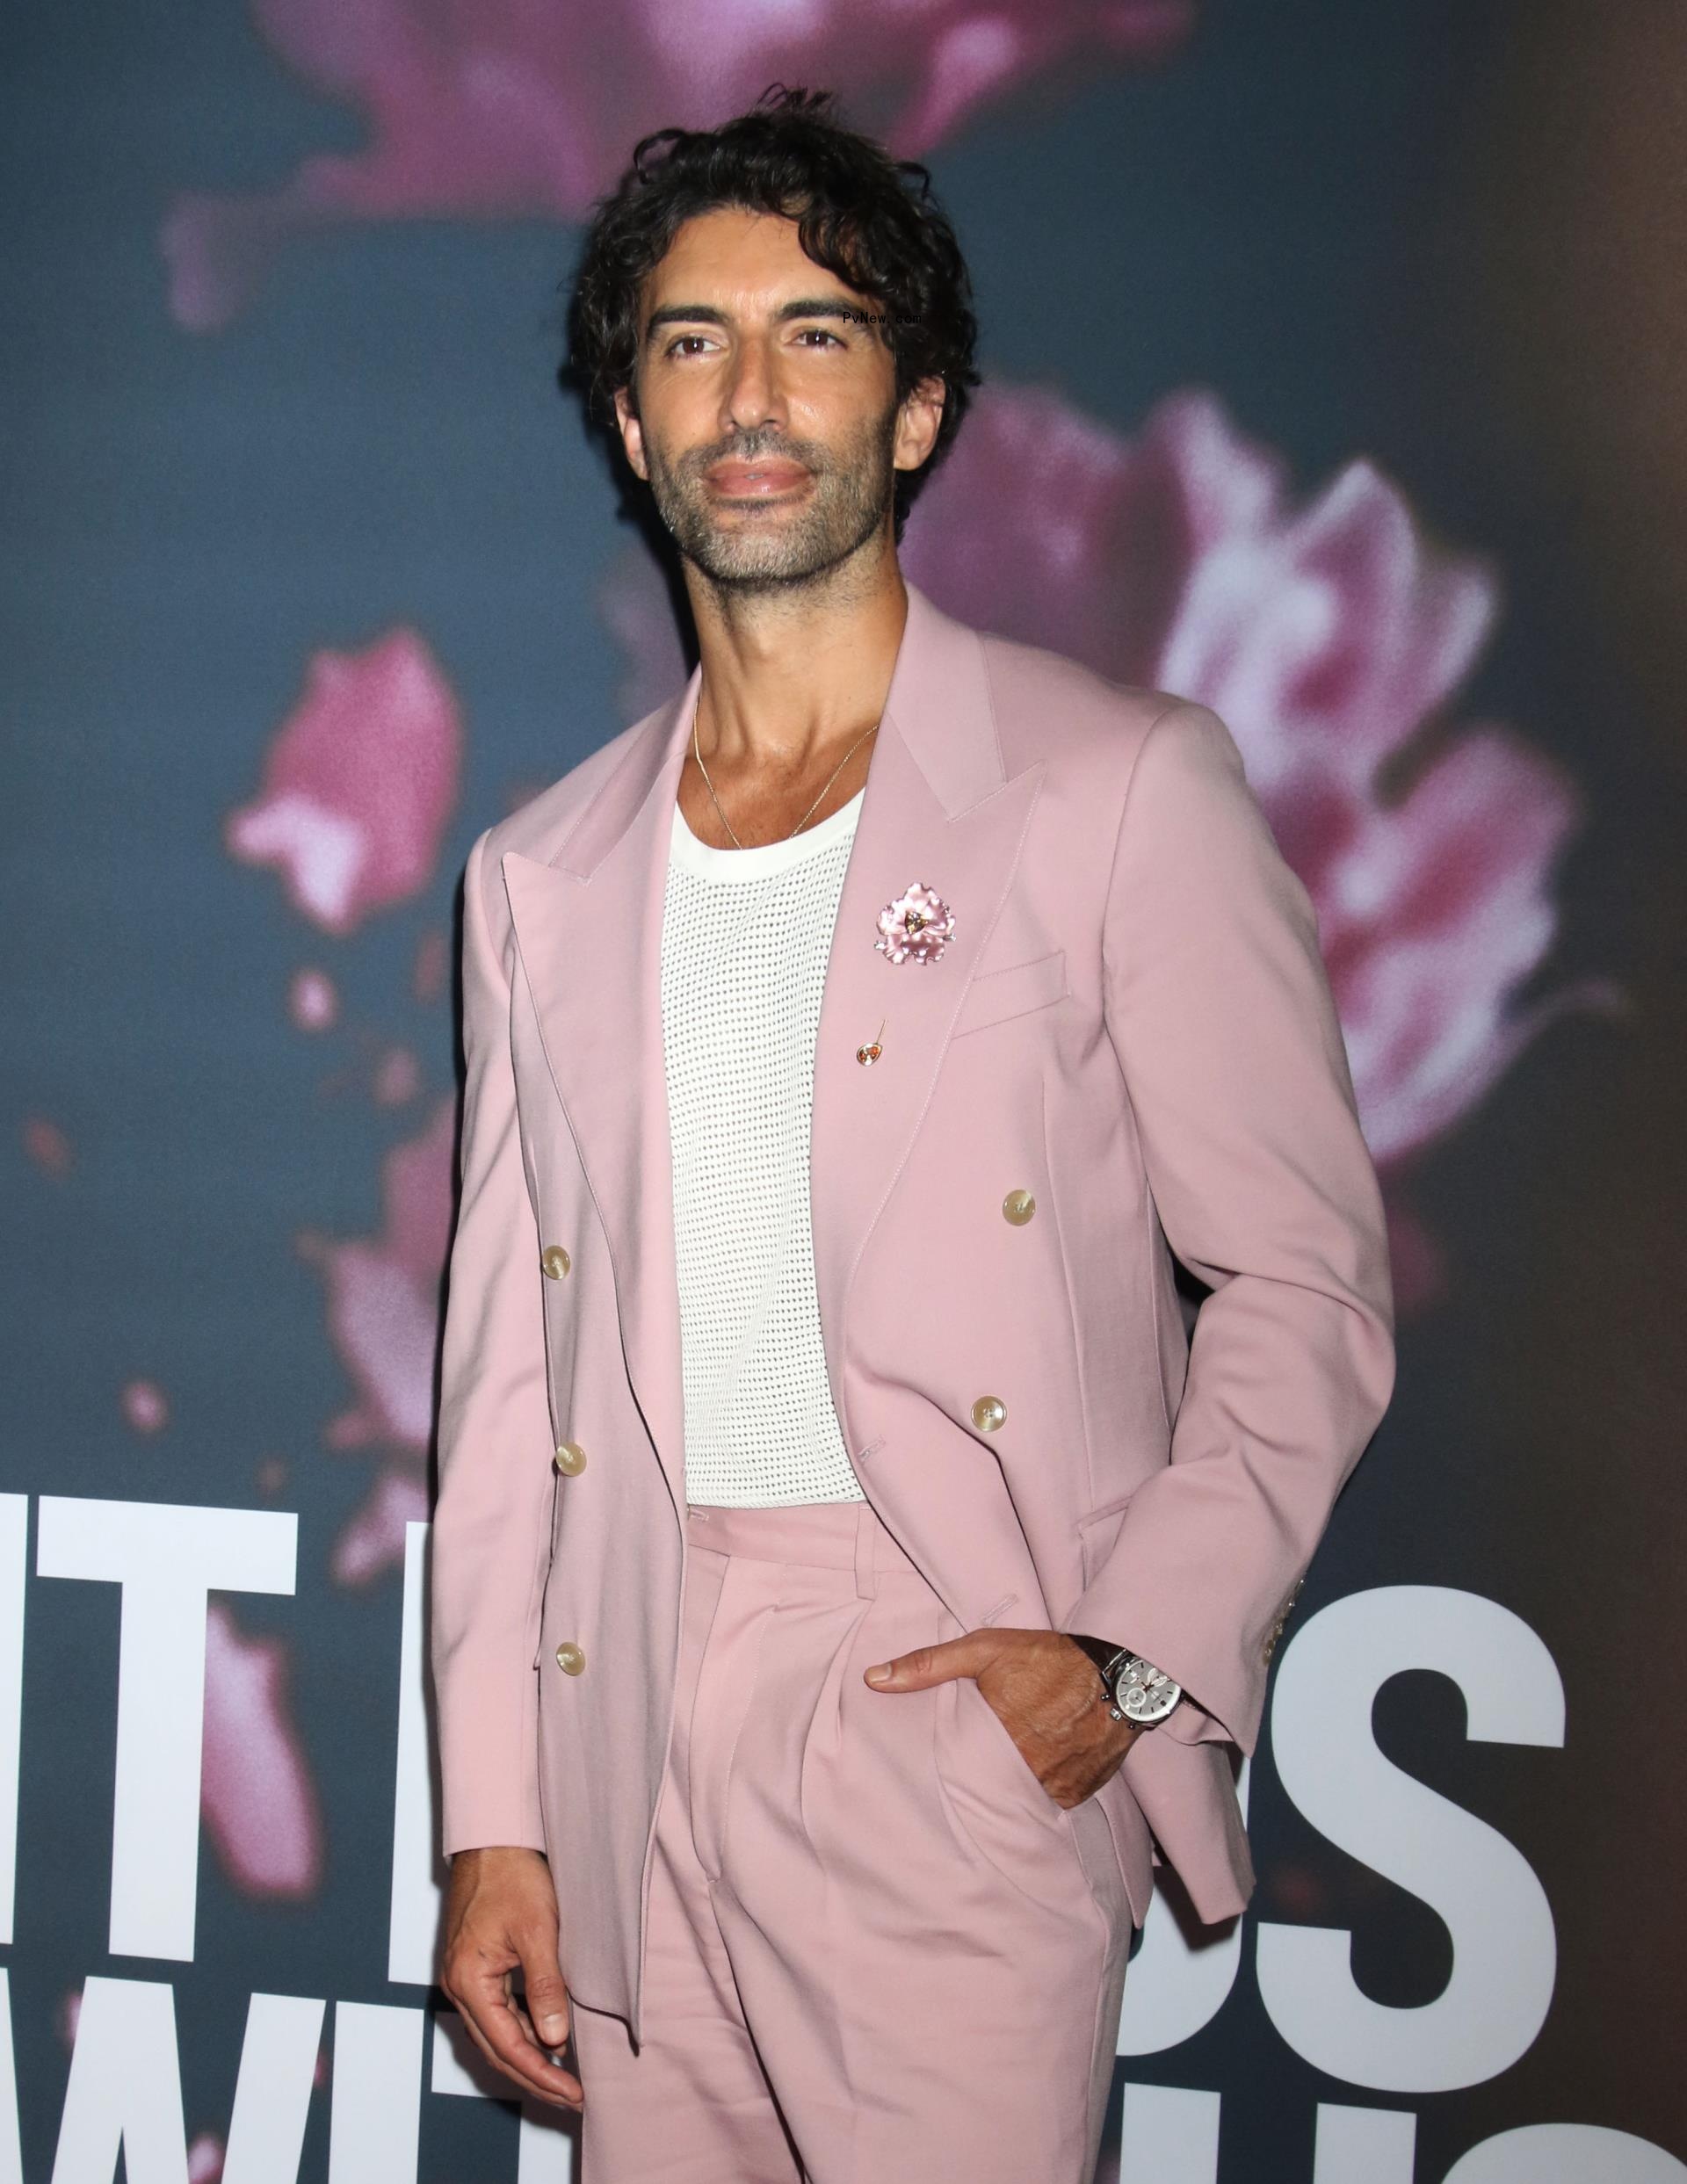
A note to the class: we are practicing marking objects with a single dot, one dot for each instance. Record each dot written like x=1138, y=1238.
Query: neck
x=790, y=676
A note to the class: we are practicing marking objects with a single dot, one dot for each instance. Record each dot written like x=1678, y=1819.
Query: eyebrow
x=708, y=315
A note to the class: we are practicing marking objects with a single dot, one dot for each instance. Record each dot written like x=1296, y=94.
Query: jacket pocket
x=1098, y=1534
x=994, y=996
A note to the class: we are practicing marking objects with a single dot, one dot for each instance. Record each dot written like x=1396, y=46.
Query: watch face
x=1147, y=1693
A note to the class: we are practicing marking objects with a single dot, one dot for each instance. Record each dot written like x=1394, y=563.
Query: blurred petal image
x=48, y=1144
x=505, y=112
x=260, y=1805
x=146, y=1408
x=383, y=1300
x=313, y=1001
x=359, y=785
x=1325, y=635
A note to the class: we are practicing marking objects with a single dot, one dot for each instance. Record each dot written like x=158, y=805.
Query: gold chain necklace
x=803, y=822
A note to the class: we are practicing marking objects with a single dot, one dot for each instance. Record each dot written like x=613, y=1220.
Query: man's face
x=767, y=422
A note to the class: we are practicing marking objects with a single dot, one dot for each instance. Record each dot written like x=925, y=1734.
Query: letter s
x=1504, y=1946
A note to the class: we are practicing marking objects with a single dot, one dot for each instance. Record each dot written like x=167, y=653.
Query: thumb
x=925, y=1665
x=548, y=2000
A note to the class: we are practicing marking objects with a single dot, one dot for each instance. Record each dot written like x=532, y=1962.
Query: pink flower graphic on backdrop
x=145, y=1406
x=499, y=112
x=383, y=1314
x=258, y=1796
x=1326, y=635
x=359, y=783
x=47, y=1144
x=313, y=1001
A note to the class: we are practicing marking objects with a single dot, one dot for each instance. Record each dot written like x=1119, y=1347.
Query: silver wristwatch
x=1135, y=1689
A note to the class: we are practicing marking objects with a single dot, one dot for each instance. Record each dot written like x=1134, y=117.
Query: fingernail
x=552, y=2027
x=879, y=1673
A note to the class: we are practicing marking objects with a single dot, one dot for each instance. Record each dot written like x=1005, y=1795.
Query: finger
x=500, y=2028
x=962, y=1656
x=554, y=2089
x=558, y=2075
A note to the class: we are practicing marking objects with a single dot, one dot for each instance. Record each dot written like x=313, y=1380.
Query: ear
x=627, y=419
x=917, y=421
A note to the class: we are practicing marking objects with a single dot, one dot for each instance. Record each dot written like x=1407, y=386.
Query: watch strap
x=1108, y=1657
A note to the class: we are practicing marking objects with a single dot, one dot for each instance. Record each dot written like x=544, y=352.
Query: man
x=848, y=1576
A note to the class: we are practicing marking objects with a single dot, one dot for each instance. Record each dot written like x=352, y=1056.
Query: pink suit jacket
x=1132, y=1022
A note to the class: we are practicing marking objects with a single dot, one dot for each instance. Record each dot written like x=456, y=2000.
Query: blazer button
x=570, y=1458
x=1019, y=1206
x=989, y=1412
x=570, y=1657
x=555, y=1261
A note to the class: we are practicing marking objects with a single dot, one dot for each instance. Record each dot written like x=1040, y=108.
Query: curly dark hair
x=870, y=220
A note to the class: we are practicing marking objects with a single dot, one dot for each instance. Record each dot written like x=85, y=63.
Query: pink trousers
x=878, y=1952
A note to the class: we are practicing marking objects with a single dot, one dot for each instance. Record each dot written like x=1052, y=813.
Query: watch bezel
x=1153, y=1692
x=1141, y=1693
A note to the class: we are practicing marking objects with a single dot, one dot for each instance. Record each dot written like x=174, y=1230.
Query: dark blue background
x=1309, y=210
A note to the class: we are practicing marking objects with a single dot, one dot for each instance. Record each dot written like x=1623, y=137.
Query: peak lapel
x=940, y=810
x=588, y=930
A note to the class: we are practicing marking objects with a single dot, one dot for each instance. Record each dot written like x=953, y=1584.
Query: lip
x=739, y=480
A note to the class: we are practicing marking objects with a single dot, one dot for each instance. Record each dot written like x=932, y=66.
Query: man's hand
x=501, y=1911
x=1047, y=1692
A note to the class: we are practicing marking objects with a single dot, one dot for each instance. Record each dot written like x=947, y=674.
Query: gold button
x=570, y=1657
x=555, y=1261
x=989, y=1412
x=1019, y=1206
x=570, y=1458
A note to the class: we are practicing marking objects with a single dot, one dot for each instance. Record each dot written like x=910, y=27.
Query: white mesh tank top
x=744, y=942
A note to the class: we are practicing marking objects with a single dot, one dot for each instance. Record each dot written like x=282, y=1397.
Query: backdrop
x=1333, y=379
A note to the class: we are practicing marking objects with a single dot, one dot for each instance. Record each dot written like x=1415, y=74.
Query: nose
x=752, y=395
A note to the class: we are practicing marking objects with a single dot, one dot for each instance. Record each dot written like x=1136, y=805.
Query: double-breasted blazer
x=1131, y=1022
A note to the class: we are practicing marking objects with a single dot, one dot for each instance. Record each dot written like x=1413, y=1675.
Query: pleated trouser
x=878, y=1952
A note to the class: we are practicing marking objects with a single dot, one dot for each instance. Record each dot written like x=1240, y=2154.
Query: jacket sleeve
x=491, y=1523
x=1219, y=1010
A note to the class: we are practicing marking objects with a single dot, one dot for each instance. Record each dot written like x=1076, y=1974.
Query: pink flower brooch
x=916, y=927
